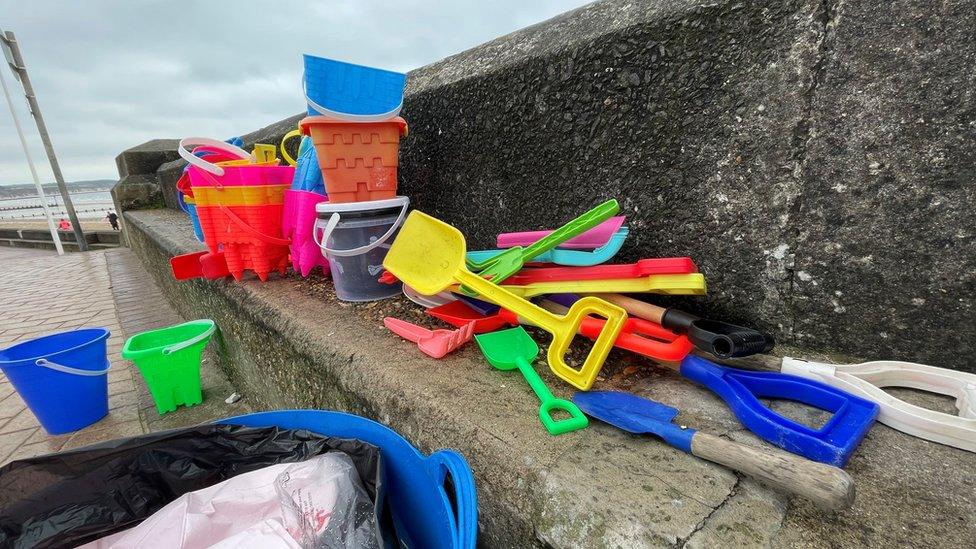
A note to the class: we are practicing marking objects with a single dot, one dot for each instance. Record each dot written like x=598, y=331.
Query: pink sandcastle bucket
x=297, y=223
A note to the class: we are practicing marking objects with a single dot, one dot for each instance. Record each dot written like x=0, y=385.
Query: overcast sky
x=110, y=75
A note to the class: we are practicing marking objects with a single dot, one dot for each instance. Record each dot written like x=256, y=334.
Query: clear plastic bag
x=342, y=516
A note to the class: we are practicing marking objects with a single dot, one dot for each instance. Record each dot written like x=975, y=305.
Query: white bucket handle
x=45, y=363
x=185, y=154
x=192, y=341
x=345, y=116
x=330, y=226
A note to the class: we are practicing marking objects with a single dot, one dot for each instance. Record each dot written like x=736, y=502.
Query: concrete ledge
x=37, y=238
x=289, y=343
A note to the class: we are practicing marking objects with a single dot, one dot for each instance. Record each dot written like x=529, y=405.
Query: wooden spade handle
x=827, y=486
x=635, y=307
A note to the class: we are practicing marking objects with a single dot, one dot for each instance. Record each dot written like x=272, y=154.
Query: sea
x=88, y=205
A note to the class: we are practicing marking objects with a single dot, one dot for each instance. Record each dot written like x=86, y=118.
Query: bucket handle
x=251, y=230
x=330, y=226
x=284, y=152
x=448, y=463
x=45, y=363
x=190, y=342
x=203, y=164
x=348, y=117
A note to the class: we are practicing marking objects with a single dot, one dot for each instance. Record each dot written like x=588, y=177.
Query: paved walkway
x=42, y=293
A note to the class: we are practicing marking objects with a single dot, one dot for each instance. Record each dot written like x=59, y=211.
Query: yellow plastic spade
x=669, y=284
x=428, y=256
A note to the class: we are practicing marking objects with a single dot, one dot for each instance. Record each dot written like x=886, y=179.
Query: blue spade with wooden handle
x=823, y=484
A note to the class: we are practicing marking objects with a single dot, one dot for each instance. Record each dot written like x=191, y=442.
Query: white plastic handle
x=44, y=363
x=346, y=116
x=192, y=341
x=185, y=153
x=866, y=380
x=330, y=226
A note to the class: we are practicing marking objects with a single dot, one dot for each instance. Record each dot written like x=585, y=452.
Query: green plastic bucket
x=169, y=361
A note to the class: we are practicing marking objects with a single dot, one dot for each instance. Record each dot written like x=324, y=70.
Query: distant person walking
x=63, y=225
x=113, y=219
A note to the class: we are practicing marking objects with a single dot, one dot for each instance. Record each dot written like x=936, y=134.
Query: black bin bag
x=77, y=496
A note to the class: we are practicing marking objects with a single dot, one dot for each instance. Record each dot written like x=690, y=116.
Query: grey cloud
x=110, y=75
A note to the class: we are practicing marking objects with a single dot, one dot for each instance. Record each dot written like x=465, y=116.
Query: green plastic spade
x=510, y=262
x=515, y=348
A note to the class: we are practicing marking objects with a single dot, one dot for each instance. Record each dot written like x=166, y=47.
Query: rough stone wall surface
x=815, y=157
x=885, y=254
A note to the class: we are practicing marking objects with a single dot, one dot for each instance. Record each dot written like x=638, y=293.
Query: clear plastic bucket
x=355, y=237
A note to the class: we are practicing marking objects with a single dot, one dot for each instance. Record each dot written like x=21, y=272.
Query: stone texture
x=886, y=247
x=289, y=343
x=136, y=192
x=144, y=159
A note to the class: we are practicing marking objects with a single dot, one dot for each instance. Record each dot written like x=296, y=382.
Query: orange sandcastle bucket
x=358, y=159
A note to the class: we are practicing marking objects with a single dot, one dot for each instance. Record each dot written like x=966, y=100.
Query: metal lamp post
x=16, y=61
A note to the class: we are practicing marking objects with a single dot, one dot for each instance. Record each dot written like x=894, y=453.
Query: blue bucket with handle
x=432, y=499
x=62, y=377
x=345, y=91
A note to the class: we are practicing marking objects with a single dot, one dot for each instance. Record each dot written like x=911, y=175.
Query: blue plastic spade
x=823, y=484
x=833, y=442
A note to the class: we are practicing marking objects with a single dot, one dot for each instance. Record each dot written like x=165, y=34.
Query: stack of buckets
x=239, y=204
x=354, y=128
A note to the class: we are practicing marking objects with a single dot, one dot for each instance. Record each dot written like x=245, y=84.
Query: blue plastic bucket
x=346, y=91
x=62, y=377
x=432, y=499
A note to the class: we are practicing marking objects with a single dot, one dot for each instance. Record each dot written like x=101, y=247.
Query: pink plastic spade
x=591, y=239
x=435, y=343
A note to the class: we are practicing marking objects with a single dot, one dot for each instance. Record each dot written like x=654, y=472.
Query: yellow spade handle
x=562, y=328
x=536, y=315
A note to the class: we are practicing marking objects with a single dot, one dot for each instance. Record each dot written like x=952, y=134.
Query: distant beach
x=88, y=205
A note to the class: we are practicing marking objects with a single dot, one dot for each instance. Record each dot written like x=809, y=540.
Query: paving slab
x=43, y=293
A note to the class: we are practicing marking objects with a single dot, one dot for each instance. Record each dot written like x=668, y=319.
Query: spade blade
x=626, y=411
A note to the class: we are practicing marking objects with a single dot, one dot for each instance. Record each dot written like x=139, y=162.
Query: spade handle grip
x=827, y=486
x=635, y=307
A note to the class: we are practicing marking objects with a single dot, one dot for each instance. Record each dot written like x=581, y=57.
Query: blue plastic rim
x=432, y=498
x=62, y=402
x=352, y=89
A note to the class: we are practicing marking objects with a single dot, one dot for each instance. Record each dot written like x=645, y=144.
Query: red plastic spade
x=199, y=264
x=458, y=313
